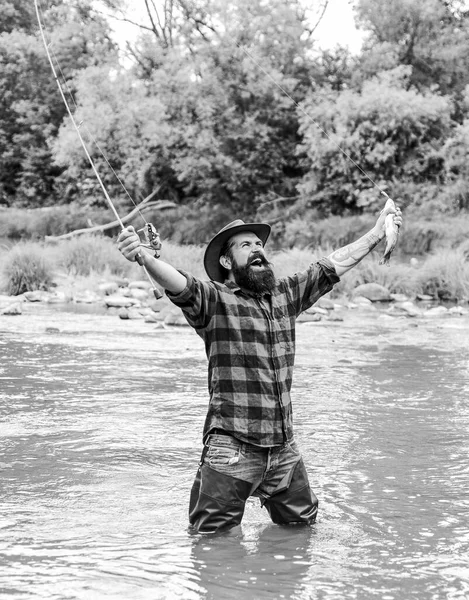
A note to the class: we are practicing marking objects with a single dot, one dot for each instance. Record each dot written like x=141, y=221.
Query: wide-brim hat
x=212, y=253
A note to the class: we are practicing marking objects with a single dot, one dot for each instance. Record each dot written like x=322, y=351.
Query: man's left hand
x=379, y=227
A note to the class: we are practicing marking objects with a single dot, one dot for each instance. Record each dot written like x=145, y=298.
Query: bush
x=398, y=277
x=23, y=224
x=189, y=258
x=191, y=224
x=27, y=267
x=445, y=275
x=88, y=254
x=422, y=236
x=334, y=231
x=287, y=262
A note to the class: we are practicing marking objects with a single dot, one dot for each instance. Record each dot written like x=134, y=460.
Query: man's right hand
x=128, y=243
x=165, y=275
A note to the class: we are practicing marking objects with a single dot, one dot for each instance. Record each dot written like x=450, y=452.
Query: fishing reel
x=152, y=239
x=153, y=242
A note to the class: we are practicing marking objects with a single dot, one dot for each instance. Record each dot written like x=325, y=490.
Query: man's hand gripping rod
x=153, y=243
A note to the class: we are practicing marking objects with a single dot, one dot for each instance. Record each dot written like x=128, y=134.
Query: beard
x=260, y=281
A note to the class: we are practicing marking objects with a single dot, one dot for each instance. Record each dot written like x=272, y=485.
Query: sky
x=336, y=28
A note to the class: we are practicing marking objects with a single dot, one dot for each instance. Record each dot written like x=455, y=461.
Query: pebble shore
x=135, y=300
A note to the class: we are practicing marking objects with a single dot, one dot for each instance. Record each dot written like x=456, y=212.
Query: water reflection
x=257, y=563
x=101, y=424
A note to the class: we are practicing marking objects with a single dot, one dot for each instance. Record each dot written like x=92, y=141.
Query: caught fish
x=392, y=233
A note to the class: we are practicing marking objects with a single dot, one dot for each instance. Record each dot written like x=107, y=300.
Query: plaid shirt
x=250, y=346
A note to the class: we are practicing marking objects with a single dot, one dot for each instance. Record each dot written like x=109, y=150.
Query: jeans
x=231, y=471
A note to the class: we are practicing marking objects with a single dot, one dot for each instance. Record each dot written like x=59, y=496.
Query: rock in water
x=12, y=309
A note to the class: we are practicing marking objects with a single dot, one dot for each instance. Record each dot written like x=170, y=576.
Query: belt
x=217, y=431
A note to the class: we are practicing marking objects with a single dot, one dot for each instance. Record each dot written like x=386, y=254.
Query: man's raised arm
x=347, y=257
x=164, y=274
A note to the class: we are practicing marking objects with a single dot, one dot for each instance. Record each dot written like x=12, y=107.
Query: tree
x=16, y=16
x=126, y=133
x=234, y=131
x=31, y=109
x=384, y=134
x=224, y=131
x=430, y=36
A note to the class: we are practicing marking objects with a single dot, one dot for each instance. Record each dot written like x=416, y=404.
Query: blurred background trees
x=194, y=108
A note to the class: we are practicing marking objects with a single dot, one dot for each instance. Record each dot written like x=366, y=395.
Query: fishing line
x=47, y=45
x=307, y=115
x=91, y=137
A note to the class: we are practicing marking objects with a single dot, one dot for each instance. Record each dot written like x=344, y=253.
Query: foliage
x=287, y=262
x=89, y=254
x=17, y=223
x=16, y=15
x=445, y=274
x=26, y=267
x=199, y=114
x=430, y=36
x=31, y=109
x=188, y=257
x=124, y=127
x=398, y=277
x=221, y=131
x=334, y=231
x=192, y=224
x=26, y=120
x=456, y=154
x=388, y=132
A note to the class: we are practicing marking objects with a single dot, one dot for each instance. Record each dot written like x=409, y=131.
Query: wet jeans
x=231, y=471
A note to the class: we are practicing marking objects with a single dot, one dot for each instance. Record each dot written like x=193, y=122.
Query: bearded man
x=246, y=318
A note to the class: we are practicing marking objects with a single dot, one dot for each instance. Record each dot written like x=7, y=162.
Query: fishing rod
x=152, y=236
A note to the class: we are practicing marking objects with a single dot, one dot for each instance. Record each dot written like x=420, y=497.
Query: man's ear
x=225, y=262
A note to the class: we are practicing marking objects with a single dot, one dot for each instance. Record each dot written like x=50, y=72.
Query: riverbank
x=135, y=301
x=78, y=270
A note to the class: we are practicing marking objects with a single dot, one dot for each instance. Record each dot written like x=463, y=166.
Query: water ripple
x=101, y=424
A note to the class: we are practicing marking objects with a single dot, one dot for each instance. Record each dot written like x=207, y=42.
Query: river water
x=101, y=422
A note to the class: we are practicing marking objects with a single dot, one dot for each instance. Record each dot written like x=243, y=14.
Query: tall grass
x=36, y=224
x=89, y=254
x=335, y=231
x=398, y=277
x=186, y=257
x=443, y=274
x=27, y=267
x=286, y=262
x=419, y=235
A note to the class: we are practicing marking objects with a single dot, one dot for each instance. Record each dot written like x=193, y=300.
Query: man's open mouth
x=257, y=262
